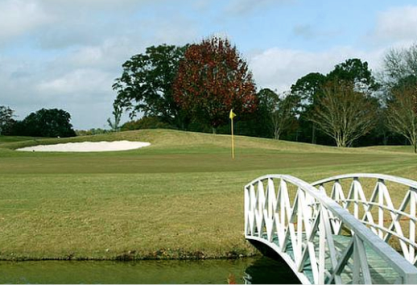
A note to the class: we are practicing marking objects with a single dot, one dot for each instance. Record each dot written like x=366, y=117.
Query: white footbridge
x=352, y=229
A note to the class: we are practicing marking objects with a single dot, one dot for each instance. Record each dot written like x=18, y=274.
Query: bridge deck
x=381, y=272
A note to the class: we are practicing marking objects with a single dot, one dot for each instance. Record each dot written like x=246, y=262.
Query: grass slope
x=182, y=196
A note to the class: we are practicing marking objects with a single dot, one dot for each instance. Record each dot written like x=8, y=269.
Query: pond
x=260, y=270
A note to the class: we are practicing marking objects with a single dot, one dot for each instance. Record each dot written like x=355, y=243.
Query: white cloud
x=183, y=32
x=109, y=55
x=88, y=50
x=85, y=93
x=89, y=55
x=280, y=68
x=396, y=24
x=20, y=16
x=78, y=84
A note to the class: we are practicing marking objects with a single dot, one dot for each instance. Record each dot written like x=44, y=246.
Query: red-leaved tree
x=211, y=80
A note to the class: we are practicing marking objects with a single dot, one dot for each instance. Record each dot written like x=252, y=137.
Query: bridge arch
x=316, y=236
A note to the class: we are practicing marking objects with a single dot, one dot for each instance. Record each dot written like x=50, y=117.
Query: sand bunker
x=87, y=146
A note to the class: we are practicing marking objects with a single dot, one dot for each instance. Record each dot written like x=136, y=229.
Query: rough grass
x=181, y=197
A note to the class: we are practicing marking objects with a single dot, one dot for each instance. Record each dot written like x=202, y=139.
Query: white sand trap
x=87, y=146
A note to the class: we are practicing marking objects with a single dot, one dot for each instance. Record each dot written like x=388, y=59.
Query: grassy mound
x=181, y=197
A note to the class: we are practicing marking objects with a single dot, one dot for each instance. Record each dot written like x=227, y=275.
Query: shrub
x=146, y=123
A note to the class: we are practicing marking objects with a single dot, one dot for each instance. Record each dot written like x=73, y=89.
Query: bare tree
x=343, y=113
x=402, y=113
x=399, y=64
x=283, y=115
x=278, y=111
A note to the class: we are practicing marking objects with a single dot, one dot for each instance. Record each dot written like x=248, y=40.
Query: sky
x=66, y=54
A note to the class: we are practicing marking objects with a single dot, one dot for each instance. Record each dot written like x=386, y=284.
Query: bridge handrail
x=412, y=184
x=408, y=244
x=406, y=270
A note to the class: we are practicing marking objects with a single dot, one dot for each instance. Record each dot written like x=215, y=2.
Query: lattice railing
x=319, y=240
x=388, y=210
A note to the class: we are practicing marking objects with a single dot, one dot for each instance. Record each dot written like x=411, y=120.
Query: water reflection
x=248, y=270
x=267, y=271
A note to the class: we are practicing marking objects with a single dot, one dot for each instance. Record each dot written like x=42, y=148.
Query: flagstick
x=233, y=143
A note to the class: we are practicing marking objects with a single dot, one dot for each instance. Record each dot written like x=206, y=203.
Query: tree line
x=42, y=123
x=193, y=87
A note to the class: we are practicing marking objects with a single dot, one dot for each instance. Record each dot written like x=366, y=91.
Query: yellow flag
x=232, y=115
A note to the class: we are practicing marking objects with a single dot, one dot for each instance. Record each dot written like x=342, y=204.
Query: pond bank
x=162, y=254
x=259, y=270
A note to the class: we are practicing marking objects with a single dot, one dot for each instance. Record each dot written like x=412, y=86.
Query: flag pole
x=233, y=143
x=231, y=116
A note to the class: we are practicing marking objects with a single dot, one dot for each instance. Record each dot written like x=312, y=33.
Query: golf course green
x=181, y=197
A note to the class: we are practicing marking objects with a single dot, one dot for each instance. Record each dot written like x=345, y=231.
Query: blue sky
x=67, y=53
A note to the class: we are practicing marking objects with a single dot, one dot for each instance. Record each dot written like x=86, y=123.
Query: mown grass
x=182, y=196
x=392, y=148
x=12, y=139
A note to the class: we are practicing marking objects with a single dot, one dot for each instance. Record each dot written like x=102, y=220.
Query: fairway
x=180, y=197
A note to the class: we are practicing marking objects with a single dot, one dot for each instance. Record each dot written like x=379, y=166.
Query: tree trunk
x=414, y=143
x=413, y=140
x=340, y=140
x=313, y=135
x=276, y=135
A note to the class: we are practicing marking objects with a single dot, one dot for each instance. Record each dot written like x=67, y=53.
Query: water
x=254, y=270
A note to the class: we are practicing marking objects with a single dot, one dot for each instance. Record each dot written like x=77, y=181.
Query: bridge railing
x=369, y=197
x=301, y=222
